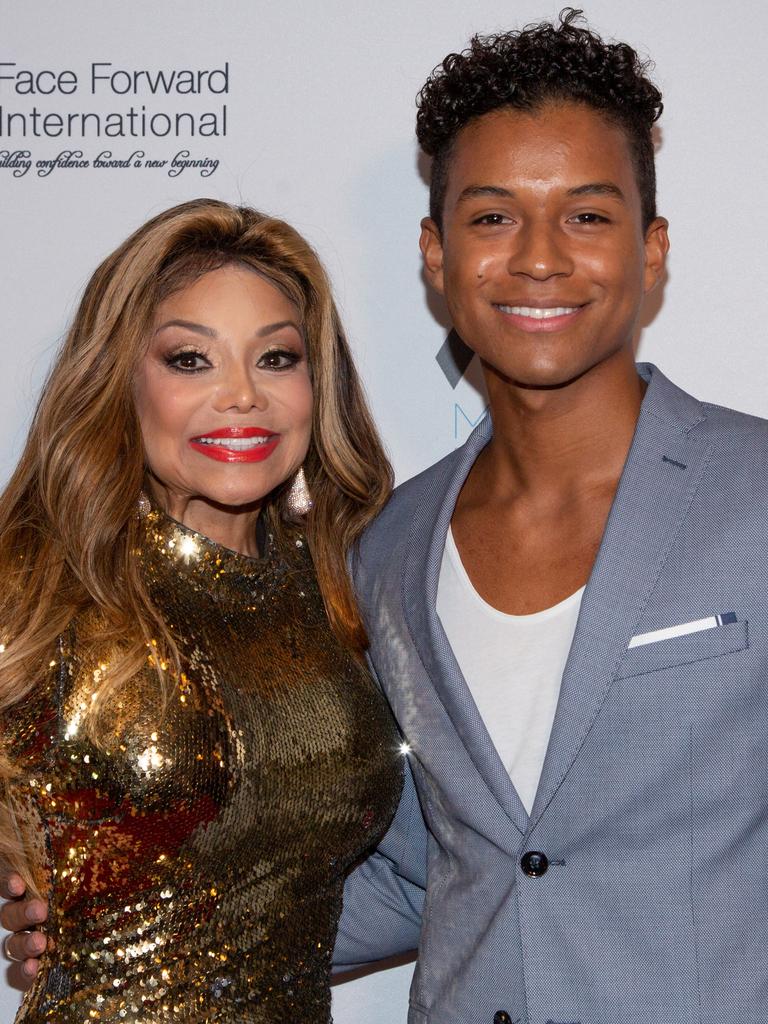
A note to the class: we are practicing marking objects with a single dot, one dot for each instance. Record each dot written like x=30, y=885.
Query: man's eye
x=188, y=361
x=278, y=359
x=492, y=219
x=589, y=218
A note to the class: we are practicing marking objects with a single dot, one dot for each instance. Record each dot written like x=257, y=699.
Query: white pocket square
x=711, y=622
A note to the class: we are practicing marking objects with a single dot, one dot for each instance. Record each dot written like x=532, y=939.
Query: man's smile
x=539, y=319
x=537, y=312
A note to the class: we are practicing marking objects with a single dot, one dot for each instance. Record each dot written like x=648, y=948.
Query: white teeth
x=537, y=313
x=238, y=444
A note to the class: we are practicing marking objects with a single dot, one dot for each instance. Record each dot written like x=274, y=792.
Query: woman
x=193, y=756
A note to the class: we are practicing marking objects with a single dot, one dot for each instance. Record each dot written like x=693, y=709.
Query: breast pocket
x=684, y=650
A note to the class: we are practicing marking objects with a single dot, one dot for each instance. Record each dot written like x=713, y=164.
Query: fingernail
x=15, y=886
x=37, y=943
x=32, y=913
x=29, y=967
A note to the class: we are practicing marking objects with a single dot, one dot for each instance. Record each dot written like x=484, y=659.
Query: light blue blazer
x=652, y=809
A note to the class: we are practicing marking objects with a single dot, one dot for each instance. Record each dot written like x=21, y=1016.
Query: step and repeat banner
x=111, y=112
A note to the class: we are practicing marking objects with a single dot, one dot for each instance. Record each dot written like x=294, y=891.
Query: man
x=568, y=614
x=592, y=764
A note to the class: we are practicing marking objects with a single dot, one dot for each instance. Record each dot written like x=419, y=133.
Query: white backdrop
x=319, y=130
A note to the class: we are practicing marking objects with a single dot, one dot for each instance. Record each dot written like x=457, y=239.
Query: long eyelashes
x=191, y=360
x=279, y=359
x=187, y=361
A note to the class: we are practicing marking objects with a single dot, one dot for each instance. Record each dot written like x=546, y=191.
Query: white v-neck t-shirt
x=513, y=665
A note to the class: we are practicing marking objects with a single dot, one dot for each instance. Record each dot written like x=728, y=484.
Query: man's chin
x=536, y=378
x=552, y=374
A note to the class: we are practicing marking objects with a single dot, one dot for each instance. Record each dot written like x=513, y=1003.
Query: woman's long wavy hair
x=68, y=519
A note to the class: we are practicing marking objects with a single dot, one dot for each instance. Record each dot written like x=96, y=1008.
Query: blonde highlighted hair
x=67, y=517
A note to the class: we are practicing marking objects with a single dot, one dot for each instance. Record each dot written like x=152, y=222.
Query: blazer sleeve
x=383, y=896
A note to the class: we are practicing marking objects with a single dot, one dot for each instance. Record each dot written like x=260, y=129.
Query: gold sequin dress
x=196, y=863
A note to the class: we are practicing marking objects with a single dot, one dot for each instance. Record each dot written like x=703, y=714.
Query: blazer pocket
x=684, y=650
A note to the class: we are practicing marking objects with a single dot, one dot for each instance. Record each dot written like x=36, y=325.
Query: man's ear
x=656, y=249
x=431, y=245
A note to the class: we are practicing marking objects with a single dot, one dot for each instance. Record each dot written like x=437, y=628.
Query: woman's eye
x=278, y=359
x=188, y=361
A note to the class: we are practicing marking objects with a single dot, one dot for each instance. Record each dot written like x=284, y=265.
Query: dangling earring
x=143, y=506
x=297, y=499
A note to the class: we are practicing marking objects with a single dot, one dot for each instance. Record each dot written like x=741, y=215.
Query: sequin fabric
x=195, y=862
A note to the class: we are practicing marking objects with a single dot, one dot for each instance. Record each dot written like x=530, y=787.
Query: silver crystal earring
x=297, y=499
x=143, y=506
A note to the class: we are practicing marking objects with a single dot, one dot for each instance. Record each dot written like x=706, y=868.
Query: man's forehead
x=570, y=144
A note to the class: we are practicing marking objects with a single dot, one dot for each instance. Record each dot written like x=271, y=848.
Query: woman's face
x=223, y=394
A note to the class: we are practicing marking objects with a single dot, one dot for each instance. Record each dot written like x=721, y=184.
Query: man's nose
x=540, y=251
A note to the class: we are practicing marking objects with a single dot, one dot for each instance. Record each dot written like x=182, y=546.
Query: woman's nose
x=239, y=389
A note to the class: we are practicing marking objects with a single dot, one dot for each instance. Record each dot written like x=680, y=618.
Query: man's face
x=542, y=257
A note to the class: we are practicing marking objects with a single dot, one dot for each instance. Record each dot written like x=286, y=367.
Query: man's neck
x=561, y=440
x=531, y=515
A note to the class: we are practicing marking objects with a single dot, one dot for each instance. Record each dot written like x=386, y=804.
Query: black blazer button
x=534, y=864
x=501, y=1017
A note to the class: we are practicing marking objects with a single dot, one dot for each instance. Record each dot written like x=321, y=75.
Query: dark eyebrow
x=478, y=191
x=209, y=332
x=598, y=188
x=188, y=325
x=278, y=326
x=592, y=188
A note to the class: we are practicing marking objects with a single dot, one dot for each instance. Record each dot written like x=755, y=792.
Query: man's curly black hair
x=526, y=69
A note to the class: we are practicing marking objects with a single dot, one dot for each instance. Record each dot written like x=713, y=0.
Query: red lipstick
x=238, y=444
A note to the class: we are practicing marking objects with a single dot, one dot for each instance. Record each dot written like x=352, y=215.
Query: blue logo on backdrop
x=460, y=418
x=454, y=358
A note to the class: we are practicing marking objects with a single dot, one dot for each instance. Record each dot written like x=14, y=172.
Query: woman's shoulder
x=63, y=688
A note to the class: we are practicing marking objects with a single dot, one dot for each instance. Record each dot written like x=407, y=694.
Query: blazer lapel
x=662, y=473
x=421, y=574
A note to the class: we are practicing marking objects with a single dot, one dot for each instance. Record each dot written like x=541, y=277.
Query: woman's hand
x=19, y=916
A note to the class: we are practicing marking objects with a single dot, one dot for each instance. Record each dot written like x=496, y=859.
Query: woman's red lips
x=238, y=432
x=236, y=444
